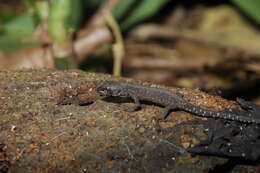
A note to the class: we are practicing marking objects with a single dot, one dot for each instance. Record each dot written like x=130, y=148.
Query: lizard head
x=112, y=88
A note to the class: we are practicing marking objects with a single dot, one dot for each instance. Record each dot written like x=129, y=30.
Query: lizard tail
x=235, y=115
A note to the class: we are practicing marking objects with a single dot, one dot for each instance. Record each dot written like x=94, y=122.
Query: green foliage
x=250, y=7
x=6, y=16
x=122, y=8
x=74, y=18
x=64, y=17
x=58, y=15
x=20, y=26
x=14, y=30
x=133, y=11
x=95, y=3
x=9, y=43
x=145, y=9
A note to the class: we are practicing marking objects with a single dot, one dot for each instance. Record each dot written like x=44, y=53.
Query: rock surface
x=54, y=121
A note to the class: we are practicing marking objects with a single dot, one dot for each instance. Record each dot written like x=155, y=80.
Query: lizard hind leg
x=166, y=112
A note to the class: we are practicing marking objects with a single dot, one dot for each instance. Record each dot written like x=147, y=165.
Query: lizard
x=175, y=101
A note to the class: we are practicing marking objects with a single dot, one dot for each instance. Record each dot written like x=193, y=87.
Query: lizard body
x=173, y=101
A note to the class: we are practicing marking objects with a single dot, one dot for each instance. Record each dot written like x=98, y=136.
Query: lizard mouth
x=103, y=92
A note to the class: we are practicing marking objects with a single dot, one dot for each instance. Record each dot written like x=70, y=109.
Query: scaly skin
x=173, y=101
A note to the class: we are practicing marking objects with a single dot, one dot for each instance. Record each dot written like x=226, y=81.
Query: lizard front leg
x=137, y=105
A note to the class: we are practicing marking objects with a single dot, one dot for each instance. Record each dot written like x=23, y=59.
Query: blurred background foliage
x=190, y=43
x=66, y=16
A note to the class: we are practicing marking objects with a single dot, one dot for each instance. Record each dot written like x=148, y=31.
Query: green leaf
x=7, y=15
x=9, y=43
x=59, y=13
x=145, y=9
x=20, y=26
x=75, y=15
x=14, y=30
x=95, y=3
x=122, y=8
x=250, y=7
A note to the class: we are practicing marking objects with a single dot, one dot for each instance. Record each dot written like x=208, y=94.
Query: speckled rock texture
x=54, y=121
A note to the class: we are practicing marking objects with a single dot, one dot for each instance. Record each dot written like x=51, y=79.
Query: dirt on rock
x=54, y=121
